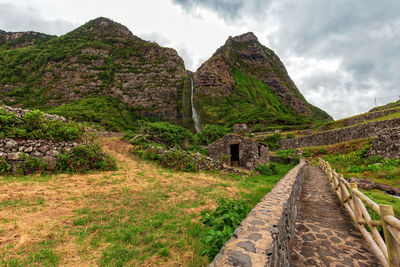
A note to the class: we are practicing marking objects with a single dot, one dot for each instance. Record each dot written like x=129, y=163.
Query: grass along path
x=140, y=215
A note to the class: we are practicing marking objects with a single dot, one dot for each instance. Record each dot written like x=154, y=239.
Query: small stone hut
x=236, y=150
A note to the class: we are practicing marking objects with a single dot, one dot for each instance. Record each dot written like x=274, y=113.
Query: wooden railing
x=386, y=248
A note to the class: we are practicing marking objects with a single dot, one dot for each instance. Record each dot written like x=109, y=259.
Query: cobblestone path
x=325, y=235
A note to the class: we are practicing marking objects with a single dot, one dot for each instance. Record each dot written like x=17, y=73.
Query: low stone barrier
x=11, y=150
x=263, y=237
x=340, y=135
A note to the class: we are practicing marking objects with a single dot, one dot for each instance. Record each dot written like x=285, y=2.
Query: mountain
x=245, y=81
x=101, y=67
x=99, y=58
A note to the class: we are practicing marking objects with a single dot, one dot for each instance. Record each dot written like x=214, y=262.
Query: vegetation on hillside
x=251, y=101
x=103, y=113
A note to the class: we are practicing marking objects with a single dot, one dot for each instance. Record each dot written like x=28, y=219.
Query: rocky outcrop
x=369, y=185
x=386, y=144
x=341, y=135
x=262, y=238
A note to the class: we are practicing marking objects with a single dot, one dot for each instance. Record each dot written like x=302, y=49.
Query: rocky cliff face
x=243, y=57
x=101, y=57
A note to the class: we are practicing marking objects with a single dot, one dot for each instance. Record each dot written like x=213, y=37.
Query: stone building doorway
x=235, y=155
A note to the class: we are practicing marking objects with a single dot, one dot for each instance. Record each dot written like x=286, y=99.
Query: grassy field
x=139, y=215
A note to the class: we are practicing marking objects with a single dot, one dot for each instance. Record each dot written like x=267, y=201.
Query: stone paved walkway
x=324, y=233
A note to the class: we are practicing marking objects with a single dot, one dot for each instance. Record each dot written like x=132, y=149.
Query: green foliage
x=288, y=155
x=104, y=111
x=251, y=101
x=84, y=158
x=273, y=141
x=30, y=165
x=164, y=133
x=5, y=168
x=289, y=136
x=210, y=133
x=34, y=125
x=176, y=159
x=221, y=223
x=267, y=169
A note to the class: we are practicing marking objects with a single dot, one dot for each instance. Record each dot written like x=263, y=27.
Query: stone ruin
x=238, y=151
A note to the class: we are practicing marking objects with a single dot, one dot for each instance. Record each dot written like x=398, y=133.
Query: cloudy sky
x=342, y=54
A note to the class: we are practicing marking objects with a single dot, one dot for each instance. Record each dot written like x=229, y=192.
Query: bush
x=267, y=169
x=84, y=158
x=30, y=165
x=273, y=141
x=34, y=125
x=289, y=136
x=210, y=133
x=176, y=159
x=221, y=223
x=163, y=133
x=4, y=166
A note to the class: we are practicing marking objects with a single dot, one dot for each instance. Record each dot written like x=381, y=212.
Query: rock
x=237, y=258
x=13, y=156
x=51, y=161
x=44, y=148
x=369, y=185
x=28, y=149
x=11, y=144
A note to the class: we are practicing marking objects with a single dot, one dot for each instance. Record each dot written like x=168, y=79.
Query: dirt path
x=324, y=233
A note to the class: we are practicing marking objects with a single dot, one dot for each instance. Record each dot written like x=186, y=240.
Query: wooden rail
x=386, y=248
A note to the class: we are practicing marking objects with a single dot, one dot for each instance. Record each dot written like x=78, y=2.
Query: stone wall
x=340, y=135
x=251, y=152
x=11, y=150
x=262, y=239
x=360, y=118
x=386, y=144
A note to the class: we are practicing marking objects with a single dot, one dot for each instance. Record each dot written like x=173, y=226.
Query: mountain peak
x=246, y=37
x=106, y=26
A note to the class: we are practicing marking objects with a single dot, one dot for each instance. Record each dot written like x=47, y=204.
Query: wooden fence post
x=392, y=247
x=356, y=209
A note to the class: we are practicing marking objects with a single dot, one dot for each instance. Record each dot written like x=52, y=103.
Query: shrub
x=176, y=159
x=30, y=165
x=273, y=141
x=289, y=136
x=267, y=169
x=356, y=169
x=221, y=223
x=34, y=125
x=4, y=166
x=84, y=158
x=163, y=133
x=210, y=133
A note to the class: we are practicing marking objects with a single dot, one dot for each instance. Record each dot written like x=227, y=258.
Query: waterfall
x=195, y=116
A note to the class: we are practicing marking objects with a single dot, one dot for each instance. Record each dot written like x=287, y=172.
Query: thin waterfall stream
x=195, y=116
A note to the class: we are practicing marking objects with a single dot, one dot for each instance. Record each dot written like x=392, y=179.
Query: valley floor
x=141, y=214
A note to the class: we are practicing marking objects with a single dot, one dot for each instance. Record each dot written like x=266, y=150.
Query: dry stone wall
x=12, y=149
x=340, y=135
x=262, y=239
x=386, y=144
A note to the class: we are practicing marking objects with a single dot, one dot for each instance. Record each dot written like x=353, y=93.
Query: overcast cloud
x=341, y=54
